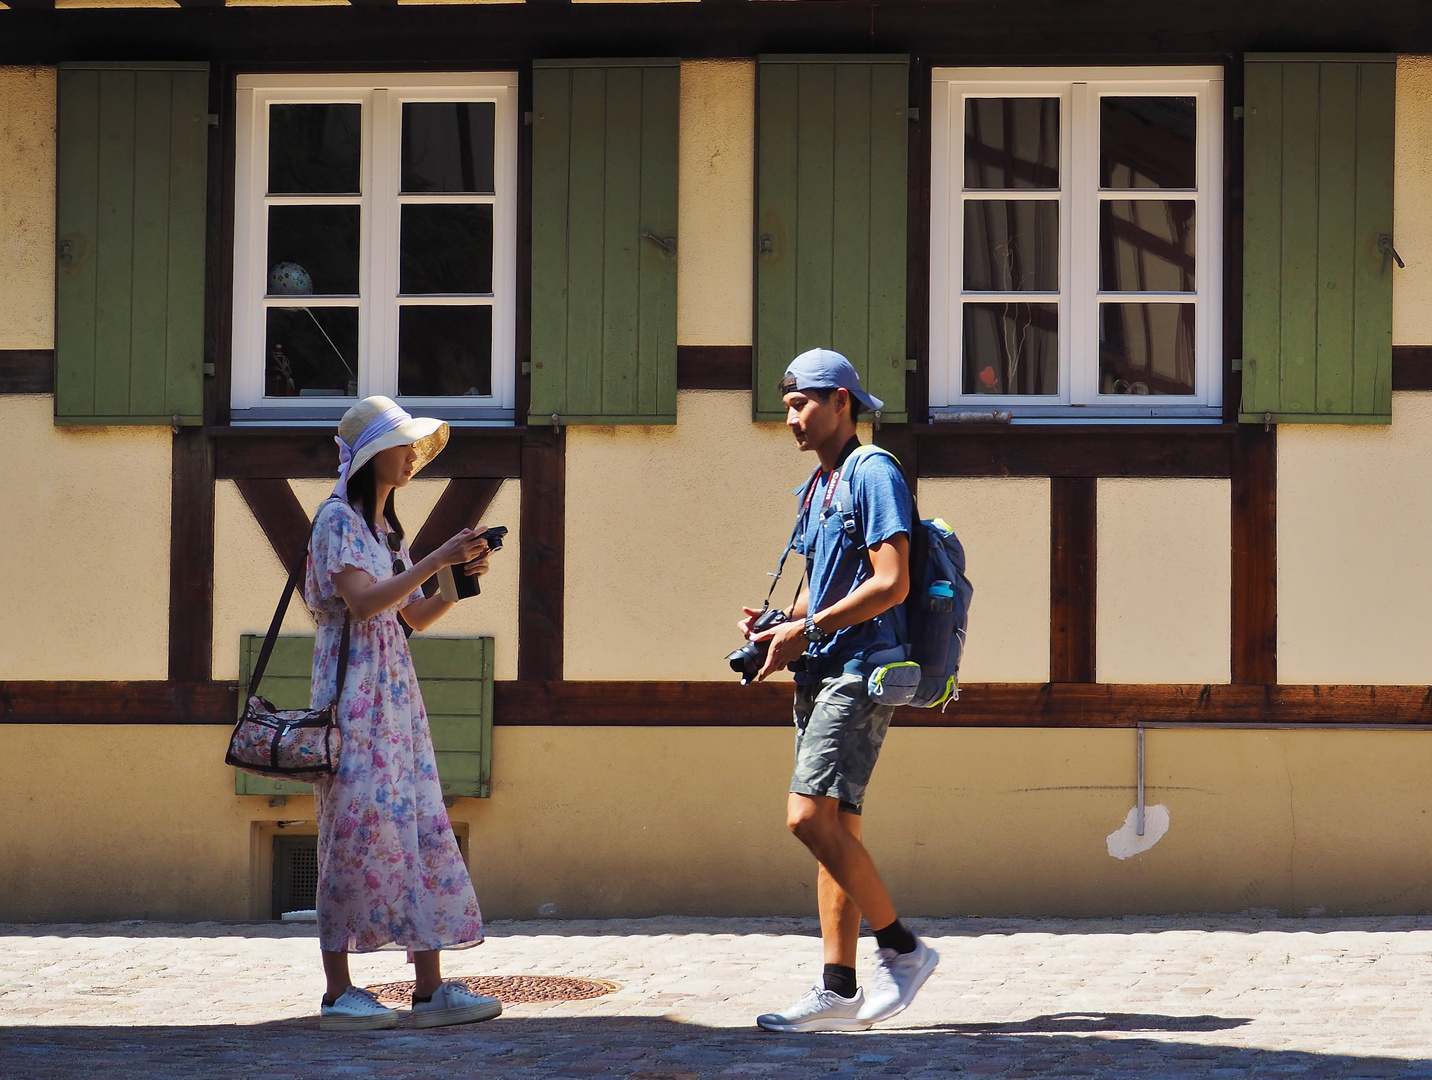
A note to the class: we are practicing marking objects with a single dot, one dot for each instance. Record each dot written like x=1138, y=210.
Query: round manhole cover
x=510, y=989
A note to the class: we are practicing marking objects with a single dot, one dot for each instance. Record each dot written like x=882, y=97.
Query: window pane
x=448, y=146
x=445, y=351
x=311, y=352
x=445, y=249
x=1011, y=245
x=1146, y=245
x=1147, y=142
x=1012, y=143
x=314, y=149
x=1011, y=348
x=1146, y=349
x=313, y=249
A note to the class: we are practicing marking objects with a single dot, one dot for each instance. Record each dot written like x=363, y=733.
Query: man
x=846, y=612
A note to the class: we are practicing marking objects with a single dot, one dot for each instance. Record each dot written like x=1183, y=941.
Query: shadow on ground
x=656, y=1048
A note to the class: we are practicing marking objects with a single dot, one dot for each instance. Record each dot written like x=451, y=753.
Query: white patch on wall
x=1125, y=843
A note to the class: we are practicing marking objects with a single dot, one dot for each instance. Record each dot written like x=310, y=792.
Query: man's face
x=811, y=420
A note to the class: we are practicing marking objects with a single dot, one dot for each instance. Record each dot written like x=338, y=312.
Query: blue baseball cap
x=826, y=369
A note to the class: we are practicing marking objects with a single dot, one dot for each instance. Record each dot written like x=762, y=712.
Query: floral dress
x=389, y=870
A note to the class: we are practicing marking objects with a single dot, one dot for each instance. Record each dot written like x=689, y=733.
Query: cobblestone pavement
x=1165, y=998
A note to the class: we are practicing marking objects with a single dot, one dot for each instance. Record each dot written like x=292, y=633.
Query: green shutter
x=130, y=219
x=832, y=138
x=456, y=679
x=1317, y=283
x=604, y=145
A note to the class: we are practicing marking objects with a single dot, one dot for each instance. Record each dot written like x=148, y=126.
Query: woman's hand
x=465, y=547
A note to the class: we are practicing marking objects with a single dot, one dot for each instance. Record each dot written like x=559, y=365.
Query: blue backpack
x=936, y=555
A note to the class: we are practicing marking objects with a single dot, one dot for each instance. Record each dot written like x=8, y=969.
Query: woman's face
x=393, y=467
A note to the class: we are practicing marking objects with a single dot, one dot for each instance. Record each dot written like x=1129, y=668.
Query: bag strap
x=272, y=636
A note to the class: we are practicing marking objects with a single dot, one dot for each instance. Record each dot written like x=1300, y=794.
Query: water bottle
x=937, y=623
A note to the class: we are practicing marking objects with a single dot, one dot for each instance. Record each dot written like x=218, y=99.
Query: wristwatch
x=812, y=632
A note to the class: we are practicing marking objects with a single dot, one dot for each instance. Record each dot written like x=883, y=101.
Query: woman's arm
x=366, y=597
x=421, y=614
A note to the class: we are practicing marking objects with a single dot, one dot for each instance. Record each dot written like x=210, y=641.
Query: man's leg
x=817, y=823
x=839, y=914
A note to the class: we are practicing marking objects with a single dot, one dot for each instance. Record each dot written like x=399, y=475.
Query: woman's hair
x=363, y=491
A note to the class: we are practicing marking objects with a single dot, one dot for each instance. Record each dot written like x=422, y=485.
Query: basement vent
x=295, y=874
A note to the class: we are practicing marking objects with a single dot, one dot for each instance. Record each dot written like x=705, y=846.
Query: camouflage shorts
x=838, y=735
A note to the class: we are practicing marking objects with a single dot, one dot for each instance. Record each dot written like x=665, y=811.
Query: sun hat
x=378, y=423
x=826, y=369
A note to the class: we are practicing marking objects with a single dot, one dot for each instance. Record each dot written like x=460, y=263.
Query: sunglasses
x=395, y=545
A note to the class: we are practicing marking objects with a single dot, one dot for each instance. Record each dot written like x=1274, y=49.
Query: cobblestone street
x=1193, y=996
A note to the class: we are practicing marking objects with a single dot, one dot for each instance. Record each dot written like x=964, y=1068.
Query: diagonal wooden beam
x=280, y=515
x=461, y=506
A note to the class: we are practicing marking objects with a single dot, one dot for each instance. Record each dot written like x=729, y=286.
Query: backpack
x=936, y=554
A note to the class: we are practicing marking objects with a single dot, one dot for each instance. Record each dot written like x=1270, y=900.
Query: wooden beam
x=27, y=371
x=191, y=557
x=461, y=506
x=1152, y=451
x=541, y=571
x=1073, y=551
x=280, y=515
x=1254, y=596
x=172, y=702
x=269, y=453
x=713, y=367
x=1412, y=367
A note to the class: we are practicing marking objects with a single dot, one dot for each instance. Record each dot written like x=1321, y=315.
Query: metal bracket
x=767, y=245
x=666, y=243
x=1384, y=245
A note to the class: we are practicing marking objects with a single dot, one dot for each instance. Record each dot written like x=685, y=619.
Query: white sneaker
x=819, y=1010
x=453, y=1003
x=356, y=1010
x=898, y=978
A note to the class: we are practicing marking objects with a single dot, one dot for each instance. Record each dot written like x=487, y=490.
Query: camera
x=750, y=657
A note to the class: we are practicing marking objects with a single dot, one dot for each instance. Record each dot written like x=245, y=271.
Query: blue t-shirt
x=836, y=563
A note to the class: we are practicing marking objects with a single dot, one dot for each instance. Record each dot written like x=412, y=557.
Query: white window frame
x=382, y=97
x=1079, y=196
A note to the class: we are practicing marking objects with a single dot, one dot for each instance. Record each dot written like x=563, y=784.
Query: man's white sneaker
x=819, y=1010
x=356, y=1010
x=898, y=977
x=453, y=1003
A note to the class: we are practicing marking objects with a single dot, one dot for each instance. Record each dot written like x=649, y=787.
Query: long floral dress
x=389, y=870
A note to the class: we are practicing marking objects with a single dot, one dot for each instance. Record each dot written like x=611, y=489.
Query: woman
x=389, y=871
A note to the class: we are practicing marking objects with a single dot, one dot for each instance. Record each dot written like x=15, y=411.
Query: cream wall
x=87, y=596
x=1354, y=536
x=1412, y=203
x=1164, y=581
x=716, y=177
x=27, y=208
x=142, y=822
x=248, y=578
x=1004, y=527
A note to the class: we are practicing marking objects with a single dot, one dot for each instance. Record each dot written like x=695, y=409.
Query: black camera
x=748, y=660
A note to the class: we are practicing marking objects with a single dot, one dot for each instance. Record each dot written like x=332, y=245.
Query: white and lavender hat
x=826, y=369
x=379, y=423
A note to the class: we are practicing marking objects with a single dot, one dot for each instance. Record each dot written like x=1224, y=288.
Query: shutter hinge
x=212, y=119
x=1238, y=112
x=527, y=367
x=1237, y=363
x=527, y=119
x=175, y=424
x=208, y=368
x=911, y=364
x=666, y=243
x=1267, y=421
x=913, y=114
x=556, y=422
x=1384, y=245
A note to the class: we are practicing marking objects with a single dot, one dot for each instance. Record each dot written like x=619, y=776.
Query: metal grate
x=295, y=873
x=511, y=989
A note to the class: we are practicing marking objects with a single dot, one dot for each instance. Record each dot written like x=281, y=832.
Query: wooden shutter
x=130, y=220
x=456, y=679
x=1317, y=275
x=832, y=138
x=604, y=145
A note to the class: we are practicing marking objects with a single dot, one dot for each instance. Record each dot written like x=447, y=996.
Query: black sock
x=421, y=1000
x=840, y=979
x=896, y=937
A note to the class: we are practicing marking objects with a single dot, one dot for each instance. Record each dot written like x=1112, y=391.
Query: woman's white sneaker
x=356, y=1010
x=819, y=1010
x=898, y=978
x=453, y=1003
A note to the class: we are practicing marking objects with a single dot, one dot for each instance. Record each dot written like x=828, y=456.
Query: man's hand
x=787, y=643
x=744, y=626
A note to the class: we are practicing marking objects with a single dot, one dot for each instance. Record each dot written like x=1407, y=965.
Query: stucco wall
x=717, y=205
x=87, y=596
x=27, y=208
x=1164, y=579
x=1412, y=203
x=143, y=823
x=1354, y=572
x=1004, y=527
x=248, y=578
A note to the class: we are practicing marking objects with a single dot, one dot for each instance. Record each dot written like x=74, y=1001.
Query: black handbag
x=288, y=744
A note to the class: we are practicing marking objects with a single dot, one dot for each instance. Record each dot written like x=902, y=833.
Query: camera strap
x=791, y=543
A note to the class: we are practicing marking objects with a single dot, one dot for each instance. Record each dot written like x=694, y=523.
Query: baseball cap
x=826, y=369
